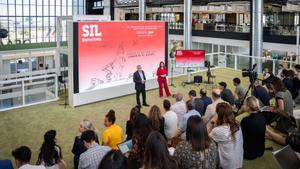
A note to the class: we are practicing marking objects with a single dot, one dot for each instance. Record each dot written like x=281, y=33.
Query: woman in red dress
x=162, y=73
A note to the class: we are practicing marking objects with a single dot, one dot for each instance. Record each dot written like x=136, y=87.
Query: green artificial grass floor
x=26, y=126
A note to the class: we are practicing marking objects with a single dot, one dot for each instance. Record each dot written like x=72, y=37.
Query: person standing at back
x=162, y=73
x=139, y=79
x=198, y=103
x=113, y=134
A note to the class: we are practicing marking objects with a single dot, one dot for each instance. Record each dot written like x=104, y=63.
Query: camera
x=251, y=74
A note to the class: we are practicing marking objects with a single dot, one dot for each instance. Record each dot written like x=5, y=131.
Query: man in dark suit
x=139, y=79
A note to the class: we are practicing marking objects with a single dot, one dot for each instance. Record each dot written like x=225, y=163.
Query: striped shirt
x=93, y=156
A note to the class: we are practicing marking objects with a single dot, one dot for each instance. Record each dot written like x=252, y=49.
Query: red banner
x=190, y=58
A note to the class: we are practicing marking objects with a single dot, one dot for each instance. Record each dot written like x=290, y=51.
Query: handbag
x=285, y=124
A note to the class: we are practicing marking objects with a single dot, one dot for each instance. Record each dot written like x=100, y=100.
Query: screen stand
x=189, y=76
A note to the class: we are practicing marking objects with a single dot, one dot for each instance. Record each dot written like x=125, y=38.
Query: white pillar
x=257, y=31
x=142, y=9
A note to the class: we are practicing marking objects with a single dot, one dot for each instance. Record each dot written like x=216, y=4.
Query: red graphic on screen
x=108, y=52
x=190, y=58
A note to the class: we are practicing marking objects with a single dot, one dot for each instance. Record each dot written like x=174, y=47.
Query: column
x=257, y=31
x=142, y=8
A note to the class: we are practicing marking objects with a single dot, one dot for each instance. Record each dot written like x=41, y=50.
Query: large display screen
x=189, y=58
x=109, y=52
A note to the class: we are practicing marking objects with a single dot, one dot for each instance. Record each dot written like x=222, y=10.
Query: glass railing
x=28, y=91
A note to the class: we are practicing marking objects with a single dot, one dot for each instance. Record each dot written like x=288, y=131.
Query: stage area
x=26, y=126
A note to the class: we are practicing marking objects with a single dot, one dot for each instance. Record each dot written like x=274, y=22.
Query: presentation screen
x=108, y=52
x=189, y=58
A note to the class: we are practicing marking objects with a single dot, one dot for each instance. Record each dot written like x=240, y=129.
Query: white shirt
x=179, y=108
x=141, y=75
x=211, y=110
x=230, y=148
x=170, y=124
x=28, y=166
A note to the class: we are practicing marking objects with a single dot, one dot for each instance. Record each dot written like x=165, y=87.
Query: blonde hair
x=252, y=103
x=154, y=117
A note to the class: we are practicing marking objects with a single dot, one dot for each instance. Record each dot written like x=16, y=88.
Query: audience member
x=198, y=151
x=211, y=109
x=226, y=94
x=297, y=69
x=261, y=93
x=291, y=139
x=156, y=153
x=199, y=105
x=156, y=119
x=253, y=129
x=239, y=92
x=22, y=157
x=280, y=69
x=171, y=120
x=113, y=134
x=92, y=157
x=129, y=124
x=287, y=81
x=228, y=135
x=78, y=146
x=183, y=122
x=141, y=130
x=114, y=159
x=206, y=100
x=297, y=82
x=6, y=164
x=179, y=107
x=50, y=154
x=283, y=100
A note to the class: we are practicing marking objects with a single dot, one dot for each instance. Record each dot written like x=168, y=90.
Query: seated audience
x=156, y=119
x=114, y=159
x=280, y=69
x=198, y=150
x=183, y=122
x=261, y=93
x=141, y=130
x=226, y=94
x=253, y=129
x=179, y=107
x=129, y=124
x=287, y=81
x=6, y=164
x=171, y=121
x=50, y=153
x=78, y=146
x=283, y=100
x=297, y=82
x=199, y=105
x=22, y=156
x=239, y=92
x=92, y=157
x=206, y=100
x=211, y=109
x=292, y=139
x=157, y=154
x=113, y=134
x=229, y=138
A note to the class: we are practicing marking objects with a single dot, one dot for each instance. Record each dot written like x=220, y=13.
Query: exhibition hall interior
x=150, y=84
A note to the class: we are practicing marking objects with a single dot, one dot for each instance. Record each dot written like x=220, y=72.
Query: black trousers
x=138, y=92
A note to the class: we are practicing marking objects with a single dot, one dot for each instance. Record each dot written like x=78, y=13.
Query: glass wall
x=34, y=21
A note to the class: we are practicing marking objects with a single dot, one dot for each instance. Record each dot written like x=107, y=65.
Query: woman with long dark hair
x=141, y=130
x=50, y=153
x=156, y=153
x=129, y=124
x=198, y=150
x=227, y=133
x=162, y=73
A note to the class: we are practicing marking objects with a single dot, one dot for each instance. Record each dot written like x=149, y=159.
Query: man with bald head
x=139, y=79
x=211, y=109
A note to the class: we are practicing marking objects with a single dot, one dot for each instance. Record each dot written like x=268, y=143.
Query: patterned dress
x=189, y=159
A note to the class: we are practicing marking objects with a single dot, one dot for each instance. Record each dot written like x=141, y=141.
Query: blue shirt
x=184, y=119
x=206, y=101
x=261, y=94
x=6, y=164
x=141, y=75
